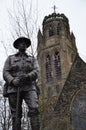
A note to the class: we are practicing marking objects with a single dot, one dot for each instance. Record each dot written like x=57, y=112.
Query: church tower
x=56, y=55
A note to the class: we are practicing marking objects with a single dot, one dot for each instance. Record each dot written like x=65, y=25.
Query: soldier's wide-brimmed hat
x=20, y=40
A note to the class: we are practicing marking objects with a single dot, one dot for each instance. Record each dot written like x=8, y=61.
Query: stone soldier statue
x=21, y=71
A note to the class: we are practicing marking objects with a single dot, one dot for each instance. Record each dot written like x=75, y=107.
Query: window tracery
x=48, y=69
x=57, y=64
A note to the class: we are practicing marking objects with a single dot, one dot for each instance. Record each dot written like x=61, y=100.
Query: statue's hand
x=16, y=81
x=23, y=77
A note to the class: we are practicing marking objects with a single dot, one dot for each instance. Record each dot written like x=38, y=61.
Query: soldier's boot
x=16, y=125
x=35, y=125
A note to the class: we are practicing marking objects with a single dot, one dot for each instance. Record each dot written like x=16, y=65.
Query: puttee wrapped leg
x=34, y=119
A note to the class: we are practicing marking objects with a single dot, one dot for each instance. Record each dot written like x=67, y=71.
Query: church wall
x=58, y=91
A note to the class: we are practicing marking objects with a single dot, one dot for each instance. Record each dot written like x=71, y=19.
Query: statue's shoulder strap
x=11, y=57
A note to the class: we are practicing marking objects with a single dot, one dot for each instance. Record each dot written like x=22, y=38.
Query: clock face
x=79, y=112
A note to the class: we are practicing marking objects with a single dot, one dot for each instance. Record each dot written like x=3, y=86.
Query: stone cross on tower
x=54, y=7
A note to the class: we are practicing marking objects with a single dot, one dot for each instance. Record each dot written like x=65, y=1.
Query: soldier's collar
x=25, y=54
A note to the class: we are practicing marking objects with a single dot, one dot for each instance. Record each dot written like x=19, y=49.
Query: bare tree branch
x=24, y=23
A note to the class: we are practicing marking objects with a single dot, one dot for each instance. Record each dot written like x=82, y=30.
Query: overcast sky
x=75, y=10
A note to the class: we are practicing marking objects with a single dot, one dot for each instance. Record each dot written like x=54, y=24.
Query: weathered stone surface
x=61, y=96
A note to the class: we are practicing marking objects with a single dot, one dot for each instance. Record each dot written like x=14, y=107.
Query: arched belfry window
x=57, y=64
x=48, y=69
x=58, y=28
x=51, y=31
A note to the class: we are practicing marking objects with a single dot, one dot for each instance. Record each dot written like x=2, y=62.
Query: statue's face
x=22, y=46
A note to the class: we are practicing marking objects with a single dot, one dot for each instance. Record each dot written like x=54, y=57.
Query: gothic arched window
x=51, y=31
x=57, y=64
x=58, y=29
x=48, y=69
